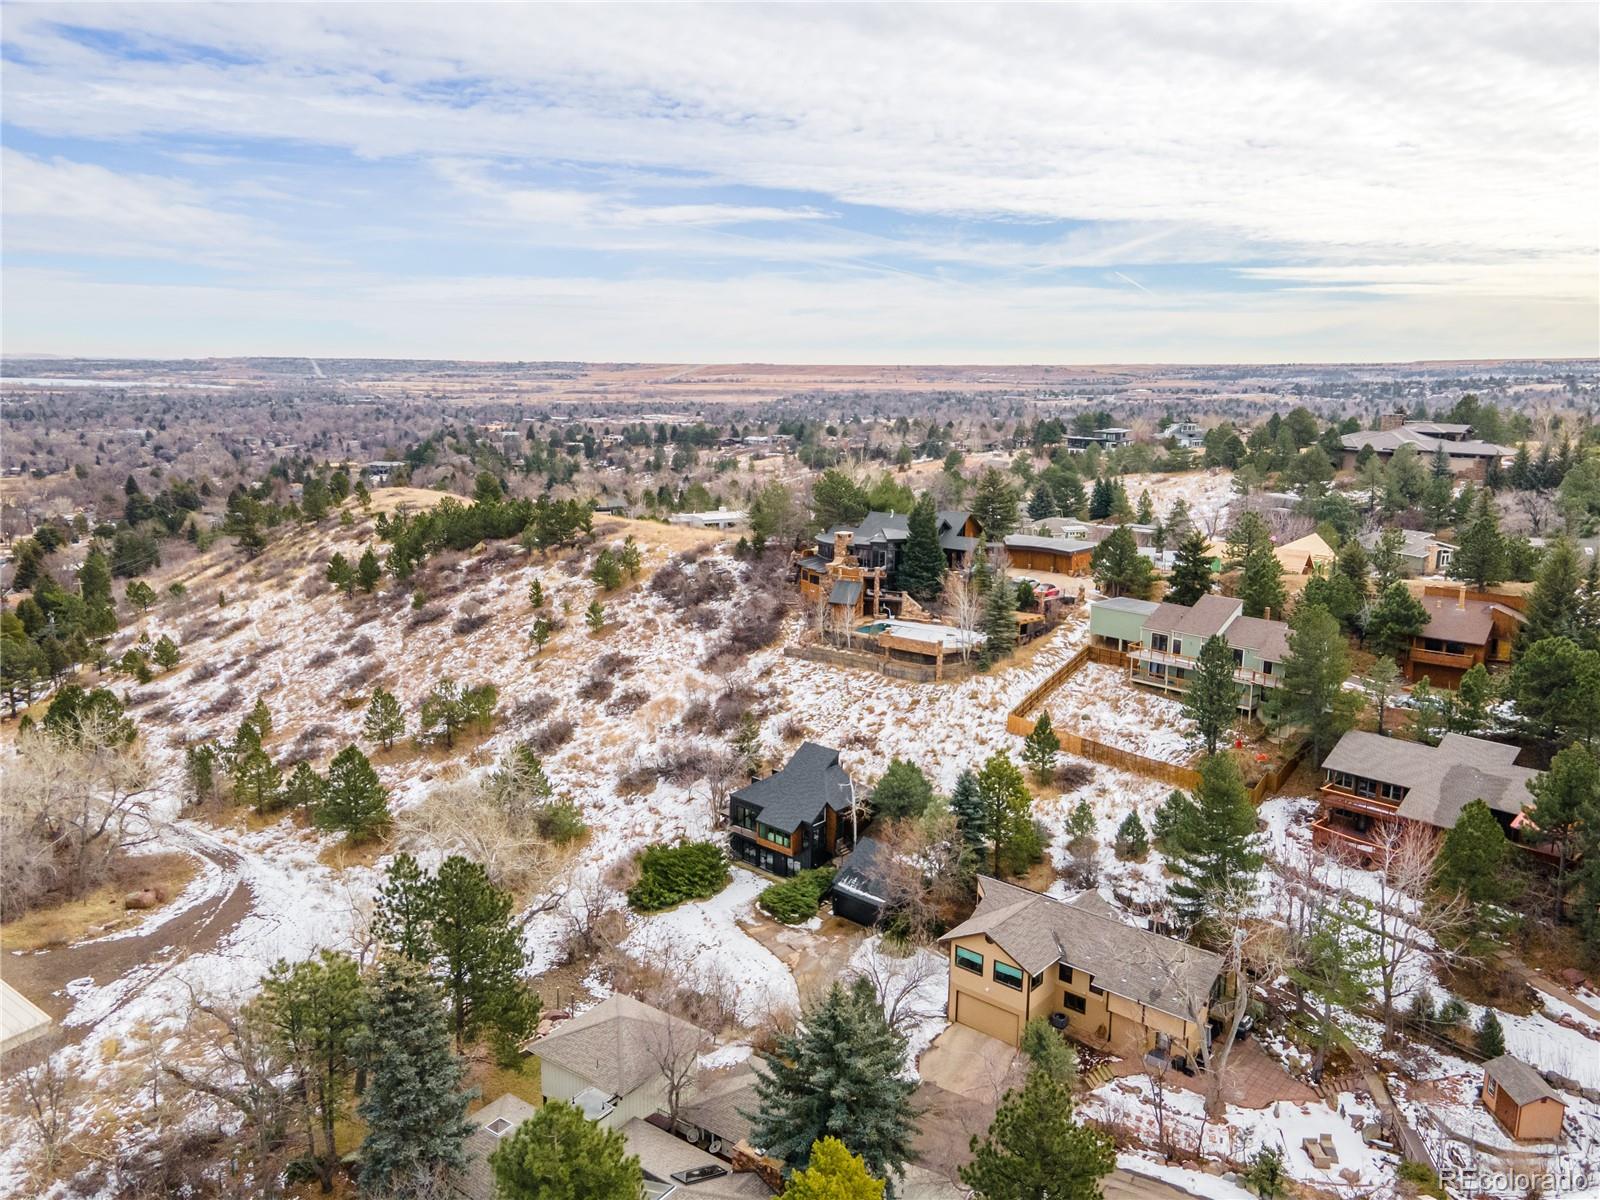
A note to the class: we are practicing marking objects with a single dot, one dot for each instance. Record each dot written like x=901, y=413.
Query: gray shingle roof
x=476, y=1180
x=861, y=872
x=809, y=782
x=1208, y=615
x=1387, y=441
x=1519, y=1081
x=617, y=1044
x=1441, y=780
x=1039, y=931
x=1269, y=639
x=1471, y=623
x=662, y=1155
x=719, y=1102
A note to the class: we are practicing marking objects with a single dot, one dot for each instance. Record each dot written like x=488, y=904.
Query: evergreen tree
x=341, y=574
x=1146, y=514
x=1191, y=570
x=1040, y=748
x=403, y=917
x=1474, y=694
x=414, y=1107
x=1004, y=802
x=903, y=791
x=385, y=721
x=1395, y=619
x=921, y=568
x=368, y=571
x=1081, y=824
x=1133, y=842
x=1048, y=1051
x=1249, y=533
x=256, y=779
x=477, y=950
x=595, y=616
x=354, y=800
x=1491, y=1039
x=999, y=620
x=1042, y=506
x=838, y=1075
x=1261, y=583
x=1472, y=857
x=1101, y=499
x=1118, y=567
x=1214, y=845
x=559, y=1154
x=1555, y=607
x=259, y=720
x=166, y=653
x=304, y=789
x=837, y=500
x=1311, y=692
x=1036, y=1150
x=1387, y=564
x=994, y=503
x=834, y=1174
x=1480, y=557
x=1266, y=1175
x=1379, y=685
x=1555, y=683
x=1331, y=590
x=967, y=805
x=1566, y=810
x=1354, y=565
x=1211, y=700
x=94, y=579
x=1171, y=813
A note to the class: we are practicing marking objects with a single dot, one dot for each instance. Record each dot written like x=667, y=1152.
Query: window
x=1238, y=658
x=1158, y=641
x=1096, y=990
x=969, y=960
x=1038, y=980
x=1005, y=973
x=1490, y=1089
x=498, y=1126
x=776, y=837
x=1064, y=973
x=1074, y=1003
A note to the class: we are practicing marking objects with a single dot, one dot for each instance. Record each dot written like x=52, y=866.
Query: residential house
x=717, y=518
x=797, y=818
x=1371, y=784
x=1170, y=636
x=1528, y=1107
x=855, y=570
x=715, y=1115
x=495, y=1122
x=609, y=1061
x=1420, y=553
x=1023, y=955
x=1059, y=555
x=674, y=1168
x=1303, y=555
x=381, y=471
x=1118, y=623
x=1467, y=456
x=1461, y=632
x=1105, y=439
x=1186, y=435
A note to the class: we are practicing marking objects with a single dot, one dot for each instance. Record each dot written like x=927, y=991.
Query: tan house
x=1521, y=1100
x=1023, y=955
x=609, y=1062
x=1302, y=555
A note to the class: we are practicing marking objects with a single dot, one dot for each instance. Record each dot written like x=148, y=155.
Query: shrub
x=796, y=899
x=551, y=737
x=466, y=625
x=628, y=701
x=1420, y=1178
x=595, y=688
x=321, y=658
x=669, y=875
x=560, y=821
x=535, y=708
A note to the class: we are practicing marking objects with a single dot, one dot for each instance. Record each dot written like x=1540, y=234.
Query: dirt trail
x=138, y=958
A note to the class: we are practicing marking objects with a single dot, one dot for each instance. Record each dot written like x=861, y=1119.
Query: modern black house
x=859, y=890
x=796, y=819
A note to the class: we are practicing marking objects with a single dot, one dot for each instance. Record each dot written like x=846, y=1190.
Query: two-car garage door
x=986, y=1018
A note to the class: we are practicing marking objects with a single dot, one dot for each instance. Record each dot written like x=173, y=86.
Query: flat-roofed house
x=1118, y=623
x=608, y=1061
x=1060, y=555
x=1023, y=955
x=1460, y=634
x=1371, y=784
x=1528, y=1107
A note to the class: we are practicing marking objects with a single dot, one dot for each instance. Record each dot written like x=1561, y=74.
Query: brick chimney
x=1461, y=598
x=1391, y=420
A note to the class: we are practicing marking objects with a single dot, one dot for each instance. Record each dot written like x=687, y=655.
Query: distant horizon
x=802, y=184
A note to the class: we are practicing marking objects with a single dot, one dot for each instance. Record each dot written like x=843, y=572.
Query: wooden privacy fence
x=1020, y=721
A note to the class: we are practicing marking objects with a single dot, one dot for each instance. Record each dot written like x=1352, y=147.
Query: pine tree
x=1555, y=683
x=1005, y=804
x=1491, y=1039
x=1046, y=1050
x=304, y=789
x=1554, y=607
x=1311, y=694
x=1379, y=685
x=1474, y=694
x=256, y=779
x=1191, y=570
x=1036, y=1149
x=354, y=800
x=1473, y=855
x=1040, y=748
x=1566, y=810
x=1146, y=514
x=403, y=917
x=559, y=1154
x=837, y=500
x=1101, y=499
x=1133, y=843
x=414, y=1107
x=995, y=505
x=967, y=805
x=595, y=616
x=260, y=720
x=1211, y=700
x=385, y=721
x=1480, y=557
x=839, y=1074
x=166, y=653
x=1119, y=569
x=368, y=570
x=1170, y=816
x=921, y=568
x=1395, y=619
x=477, y=949
x=1261, y=583
x=341, y=574
x=1247, y=534
x=999, y=620
x=1387, y=565
x=834, y=1174
x=902, y=791
x=1214, y=845
x=1043, y=504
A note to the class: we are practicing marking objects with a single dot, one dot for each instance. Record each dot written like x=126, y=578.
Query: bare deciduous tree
x=962, y=605
x=46, y=1096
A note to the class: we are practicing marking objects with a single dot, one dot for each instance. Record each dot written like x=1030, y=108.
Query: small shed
x=21, y=1020
x=859, y=893
x=1520, y=1099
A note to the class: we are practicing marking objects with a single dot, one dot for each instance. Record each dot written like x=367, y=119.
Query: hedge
x=796, y=899
x=669, y=875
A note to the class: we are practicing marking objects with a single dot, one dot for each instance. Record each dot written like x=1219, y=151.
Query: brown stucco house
x=1520, y=1099
x=1023, y=955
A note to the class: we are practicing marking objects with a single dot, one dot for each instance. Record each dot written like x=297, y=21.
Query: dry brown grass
x=343, y=854
x=101, y=910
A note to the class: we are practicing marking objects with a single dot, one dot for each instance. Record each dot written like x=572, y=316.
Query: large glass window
x=969, y=960
x=1008, y=975
x=776, y=836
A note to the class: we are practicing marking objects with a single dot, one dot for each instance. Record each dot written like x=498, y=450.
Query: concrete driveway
x=972, y=1065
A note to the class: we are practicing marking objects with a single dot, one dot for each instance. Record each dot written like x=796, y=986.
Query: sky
x=958, y=184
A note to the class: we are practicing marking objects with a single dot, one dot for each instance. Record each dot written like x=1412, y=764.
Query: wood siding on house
x=557, y=1083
